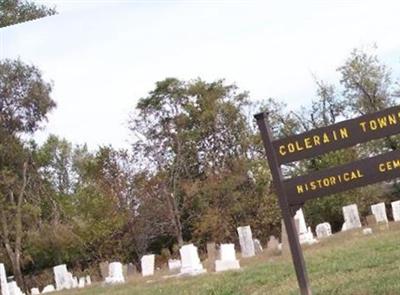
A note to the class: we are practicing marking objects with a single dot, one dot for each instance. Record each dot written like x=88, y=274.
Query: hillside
x=346, y=263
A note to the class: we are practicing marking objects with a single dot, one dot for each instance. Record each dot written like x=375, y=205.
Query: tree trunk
x=15, y=254
x=16, y=265
x=176, y=220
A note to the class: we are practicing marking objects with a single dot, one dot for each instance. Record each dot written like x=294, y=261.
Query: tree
x=366, y=87
x=24, y=97
x=196, y=141
x=16, y=11
x=367, y=83
x=24, y=102
x=57, y=164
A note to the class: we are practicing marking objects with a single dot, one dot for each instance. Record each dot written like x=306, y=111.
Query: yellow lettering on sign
x=373, y=125
x=282, y=150
x=332, y=180
x=344, y=133
x=382, y=122
x=298, y=147
x=325, y=138
x=316, y=140
x=392, y=119
x=363, y=124
x=311, y=142
x=307, y=142
x=389, y=165
x=300, y=189
x=291, y=148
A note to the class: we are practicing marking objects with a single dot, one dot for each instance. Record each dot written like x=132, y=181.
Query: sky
x=102, y=56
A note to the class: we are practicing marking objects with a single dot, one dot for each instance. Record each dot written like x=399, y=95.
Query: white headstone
x=174, y=264
x=307, y=237
x=48, y=289
x=115, y=273
x=3, y=280
x=81, y=282
x=396, y=210
x=351, y=217
x=301, y=221
x=75, y=282
x=35, y=291
x=228, y=258
x=257, y=246
x=323, y=230
x=379, y=211
x=246, y=241
x=305, y=234
x=88, y=280
x=62, y=277
x=14, y=289
x=147, y=263
x=191, y=264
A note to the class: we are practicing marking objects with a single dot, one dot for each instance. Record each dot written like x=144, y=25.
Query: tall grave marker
x=294, y=192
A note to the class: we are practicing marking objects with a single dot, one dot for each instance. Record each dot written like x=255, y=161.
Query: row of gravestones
x=352, y=218
x=351, y=221
x=190, y=263
x=62, y=278
x=323, y=230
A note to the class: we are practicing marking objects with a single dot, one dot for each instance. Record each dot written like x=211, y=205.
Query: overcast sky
x=102, y=56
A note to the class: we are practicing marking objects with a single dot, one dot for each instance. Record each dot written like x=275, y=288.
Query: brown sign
x=338, y=136
x=342, y=178
x=292, y=193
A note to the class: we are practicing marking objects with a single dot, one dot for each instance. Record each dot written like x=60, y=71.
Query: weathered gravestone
x=246, y=241
x=131, y=269
x=174, y=264
x=125, y=270
x=88, y=280
x=323, y=230
x=191, y=264
x=272, y=244
x=371, y=220
x=351, y=217
x=228, y=258
x=81, y=282
x=104, y=269
x=305, y=234
x=396, y=210
x=74, y=282
x=257, y=246
x=147, y=263
x=115, y=273
x=302, y=226
x=62, y=277
x=379, y=211
x=3, y=281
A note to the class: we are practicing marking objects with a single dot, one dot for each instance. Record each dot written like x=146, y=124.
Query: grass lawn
x=346, y=263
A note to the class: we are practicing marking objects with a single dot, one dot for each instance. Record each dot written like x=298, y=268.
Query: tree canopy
x=17, y=11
